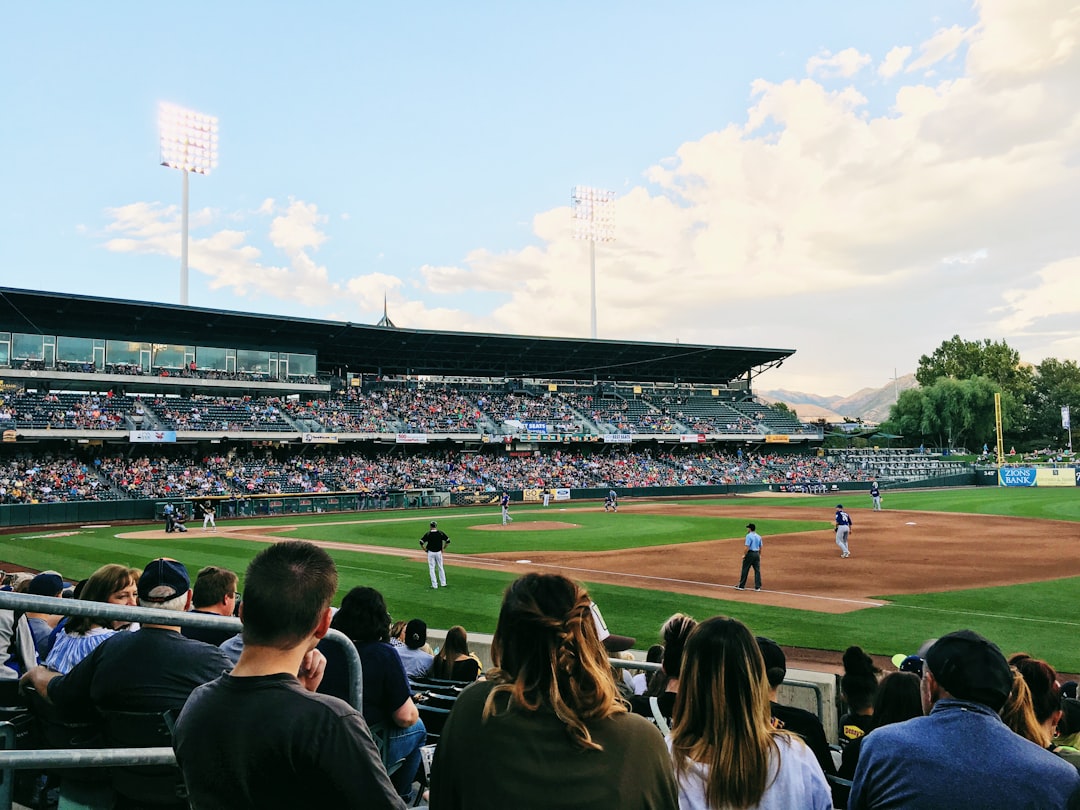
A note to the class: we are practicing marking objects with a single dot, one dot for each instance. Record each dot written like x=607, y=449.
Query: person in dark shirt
x=259, y=736
x=433, y=542
x=214, y=594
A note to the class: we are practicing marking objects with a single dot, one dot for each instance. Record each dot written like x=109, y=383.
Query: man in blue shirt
x=843, y=530
x=751, y=559
x=960, y=754
x=875, y=494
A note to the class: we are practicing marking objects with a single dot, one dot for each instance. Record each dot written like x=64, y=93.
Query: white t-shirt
x=800, y=782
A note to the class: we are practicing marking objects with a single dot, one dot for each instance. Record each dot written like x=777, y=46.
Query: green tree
x=1056, y=384
x=951, y=413
x=963, y=359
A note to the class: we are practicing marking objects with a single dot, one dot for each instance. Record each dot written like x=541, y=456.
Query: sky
x=856, y=180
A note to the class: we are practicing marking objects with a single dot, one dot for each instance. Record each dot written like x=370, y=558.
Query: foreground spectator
x=153, y=669
x=387, y=696
x=112, y=584
x=1046, y=704
x=259, y=737
x=725, y=749
x=792, y=718
x=897, y=700
x=415, y=659
x=961, y=754
x=454, y=662
x=659, y=701
x=546, y=729
x=47, y=583
x=858, y=685
x=214, y=594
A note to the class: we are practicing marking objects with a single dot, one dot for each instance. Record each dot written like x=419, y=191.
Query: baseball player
x=547, y=496
x=751, y=559
x=843, y=530
x=875, y=494
x=610, y=504
x=505, y=504
x=433, y=542
x=208, y=516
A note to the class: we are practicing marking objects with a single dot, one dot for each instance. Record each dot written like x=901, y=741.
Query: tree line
x=954, y=403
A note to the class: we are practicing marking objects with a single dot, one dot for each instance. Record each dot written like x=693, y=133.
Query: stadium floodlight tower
x=593, y=213
x=189, y=143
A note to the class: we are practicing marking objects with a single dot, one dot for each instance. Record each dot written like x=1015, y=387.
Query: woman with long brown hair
x=546, y=729
x=454, y=662
x=724, y=748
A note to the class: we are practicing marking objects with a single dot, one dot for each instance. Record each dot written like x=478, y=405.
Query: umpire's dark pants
x=752, y=559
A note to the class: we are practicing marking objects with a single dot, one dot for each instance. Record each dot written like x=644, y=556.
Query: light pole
x=189, y=143
x=593, y=213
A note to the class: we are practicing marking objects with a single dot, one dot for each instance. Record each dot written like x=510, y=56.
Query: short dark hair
x=212, y=585
x=286, y=588
x=363, y=616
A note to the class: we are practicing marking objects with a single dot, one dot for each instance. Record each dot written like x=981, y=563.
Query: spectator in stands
x=932, y=762
x=897, y=700
x=214, y=594
x=47, y=583
x=259, y=736
x=414, y=657
x=654, y=655
x=454, y=661
x=724, y=747
x=153, y=669
x=1046, y=703
x=791, y=718
x=858, y=686
x=659, y=702
x=387, y=696
x=548, y=723
x=113, y=584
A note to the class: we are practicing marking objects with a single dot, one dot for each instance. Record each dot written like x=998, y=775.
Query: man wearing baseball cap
x=152, y=669
x=961, y=754
x=433, y=543
x=751, y=559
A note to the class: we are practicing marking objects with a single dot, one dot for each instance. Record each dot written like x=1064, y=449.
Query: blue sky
x=854, y=180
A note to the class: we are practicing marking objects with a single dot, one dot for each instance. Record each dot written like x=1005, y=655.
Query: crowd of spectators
x=56, y=478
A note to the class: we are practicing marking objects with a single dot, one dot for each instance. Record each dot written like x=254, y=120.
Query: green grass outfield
x=1040, y=618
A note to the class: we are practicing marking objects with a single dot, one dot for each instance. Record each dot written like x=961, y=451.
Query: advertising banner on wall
x=152, y=436
x=618, y=438
x=319, y=438
x=1017, y=476
x=1055, y=477
x=412, y=438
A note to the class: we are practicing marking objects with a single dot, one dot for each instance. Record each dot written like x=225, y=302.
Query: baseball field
x=1004, y=562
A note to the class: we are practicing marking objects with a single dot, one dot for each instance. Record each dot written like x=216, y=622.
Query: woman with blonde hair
x=547, y=723
x=724, y=748
x=113, y=584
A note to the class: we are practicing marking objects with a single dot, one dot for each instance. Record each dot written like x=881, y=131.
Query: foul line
x=983, y=615
x=694, y=582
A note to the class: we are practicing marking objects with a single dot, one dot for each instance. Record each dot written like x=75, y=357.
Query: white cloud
x=861, y=239
x=944, y=44
x=845, y=64
x=894, y=61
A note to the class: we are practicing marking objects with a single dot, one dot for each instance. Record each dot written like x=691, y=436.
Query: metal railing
x=12, y=760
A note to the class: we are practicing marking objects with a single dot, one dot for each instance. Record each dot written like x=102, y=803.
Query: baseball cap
x=47, y=583
x=839, y=506
x=416, y=633
x=163, y=579
x=612, y=643
x=908, y=663
x=434, y=524
x=774, y=659
x=751, y=527
x=970, y=667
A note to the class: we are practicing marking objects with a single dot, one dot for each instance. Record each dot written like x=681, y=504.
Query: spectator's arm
x=37, y=678
x=406, y=714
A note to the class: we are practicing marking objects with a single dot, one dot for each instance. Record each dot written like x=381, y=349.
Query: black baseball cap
x=434, y=524
x=751, y=527
x=839, y=506
x=970, y=667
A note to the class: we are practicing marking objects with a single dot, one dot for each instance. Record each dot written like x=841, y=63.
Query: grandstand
x=106, y=399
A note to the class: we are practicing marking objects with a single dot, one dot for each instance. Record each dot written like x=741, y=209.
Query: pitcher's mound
x=518, y=526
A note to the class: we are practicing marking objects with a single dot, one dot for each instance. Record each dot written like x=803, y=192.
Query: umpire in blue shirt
x=751, y=559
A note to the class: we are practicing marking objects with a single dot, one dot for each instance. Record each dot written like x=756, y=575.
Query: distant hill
x=869, y=404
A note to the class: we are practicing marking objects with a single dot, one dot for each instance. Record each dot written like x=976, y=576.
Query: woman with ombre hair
x=112, y=584
x=547, y=730
x=725, y=750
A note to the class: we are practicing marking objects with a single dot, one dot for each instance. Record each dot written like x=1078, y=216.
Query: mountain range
x=868, y=404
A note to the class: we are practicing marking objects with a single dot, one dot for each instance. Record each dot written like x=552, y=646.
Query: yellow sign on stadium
x=777, y=438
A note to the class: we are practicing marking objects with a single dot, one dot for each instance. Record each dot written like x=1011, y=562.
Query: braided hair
x=547, y=654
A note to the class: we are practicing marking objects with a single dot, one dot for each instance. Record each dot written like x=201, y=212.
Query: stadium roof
x=383, y=350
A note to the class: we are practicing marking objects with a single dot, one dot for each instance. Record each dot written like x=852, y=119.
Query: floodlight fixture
x=592, y=211
x=189, y=142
